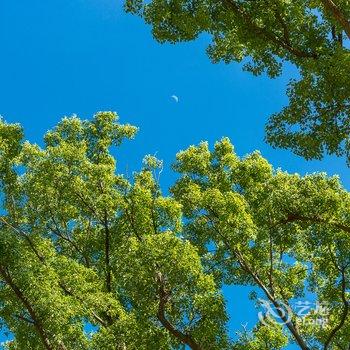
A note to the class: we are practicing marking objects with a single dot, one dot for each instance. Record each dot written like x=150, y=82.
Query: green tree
x=84, y=245
x=310, y=34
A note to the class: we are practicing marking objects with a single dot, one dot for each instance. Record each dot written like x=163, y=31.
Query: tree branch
x=271, y=264
x=163, y=299
x=69, y=240
x=107, y=242
x=107, y=253
x=94, y=315
x=286, y=34
x=246, y=267
x=164, y=296
x=130, y=218
x=315, y=220
x=25, y=236
x=281, y=42
x=344, y=313
x=19, y=294
x=338, y=15
x=23, y=318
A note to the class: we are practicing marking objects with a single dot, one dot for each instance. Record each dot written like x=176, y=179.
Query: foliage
x=310, y=34
x=93, y=260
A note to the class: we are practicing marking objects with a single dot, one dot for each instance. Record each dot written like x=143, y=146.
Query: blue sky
x=64, y=57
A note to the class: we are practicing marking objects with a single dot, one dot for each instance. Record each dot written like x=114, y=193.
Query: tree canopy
x=92, y=259
x=313, y=35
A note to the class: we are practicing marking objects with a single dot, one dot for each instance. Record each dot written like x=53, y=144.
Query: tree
x=310, y=34
x=93, y=260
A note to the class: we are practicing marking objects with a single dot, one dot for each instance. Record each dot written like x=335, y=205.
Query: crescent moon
x=175, y=98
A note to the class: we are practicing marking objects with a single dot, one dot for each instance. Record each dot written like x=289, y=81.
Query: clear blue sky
x=64, y=57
